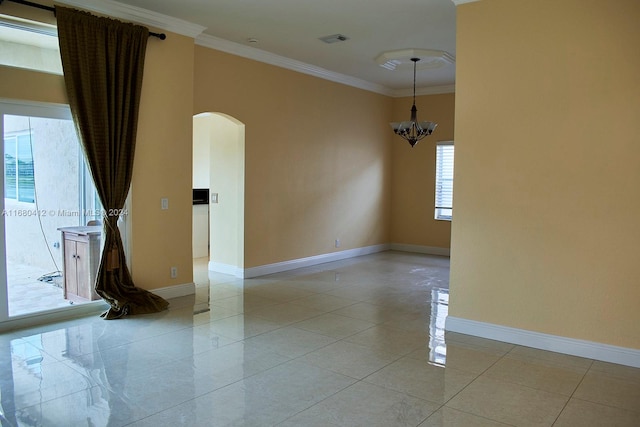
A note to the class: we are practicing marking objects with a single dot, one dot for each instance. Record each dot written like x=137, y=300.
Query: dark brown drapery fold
x=103, y=63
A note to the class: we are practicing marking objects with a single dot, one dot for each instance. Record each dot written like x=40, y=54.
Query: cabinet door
x=70, y=271
x=82, y=269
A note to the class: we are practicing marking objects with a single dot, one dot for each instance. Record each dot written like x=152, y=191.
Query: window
x=43, y=153
x=90, y=205
x=29, y=44
x=444, y=180
x=18, y=167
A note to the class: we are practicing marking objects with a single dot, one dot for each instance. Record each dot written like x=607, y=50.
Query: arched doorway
x=218, y=164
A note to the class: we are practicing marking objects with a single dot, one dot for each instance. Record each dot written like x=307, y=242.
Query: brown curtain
x=103, y=62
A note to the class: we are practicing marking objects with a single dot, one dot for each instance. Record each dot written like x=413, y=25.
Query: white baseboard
x=226, y=269
x=278, y=267
x=313, y=260
x=430, y=250
x=575, y=347
x=175, y=291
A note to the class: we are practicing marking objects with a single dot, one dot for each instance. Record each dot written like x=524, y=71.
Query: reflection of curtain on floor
x=103, y=61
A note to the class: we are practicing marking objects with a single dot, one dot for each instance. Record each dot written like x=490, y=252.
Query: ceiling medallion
x=402, y=58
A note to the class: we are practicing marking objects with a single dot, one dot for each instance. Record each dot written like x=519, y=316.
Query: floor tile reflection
x=358, y=342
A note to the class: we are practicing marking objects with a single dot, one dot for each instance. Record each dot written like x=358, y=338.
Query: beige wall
x=32, y=86
x=160, y=239
x=413, y=183
x=317, y=157
x=546, y=227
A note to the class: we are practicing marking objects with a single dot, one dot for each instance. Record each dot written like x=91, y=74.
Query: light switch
x=164, y=203
x=214, y=197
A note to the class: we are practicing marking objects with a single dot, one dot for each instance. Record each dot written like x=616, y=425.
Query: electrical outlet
x=337, y=243
x=174, y=272
x=164, y=203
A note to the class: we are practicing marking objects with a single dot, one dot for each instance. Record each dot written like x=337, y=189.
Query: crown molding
x=290, y=64
x=138, y=15
x=459, y=2
x=259, y=55
x=179, y=26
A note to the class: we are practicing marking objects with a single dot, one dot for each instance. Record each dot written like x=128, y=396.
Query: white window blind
x=444, y=180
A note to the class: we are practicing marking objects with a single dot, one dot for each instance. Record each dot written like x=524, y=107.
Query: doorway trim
x=223, y=138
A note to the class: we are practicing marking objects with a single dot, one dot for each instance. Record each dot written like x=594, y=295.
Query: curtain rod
x=161, y=36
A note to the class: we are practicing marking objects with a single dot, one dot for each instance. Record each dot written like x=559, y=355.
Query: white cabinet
x=81, y=255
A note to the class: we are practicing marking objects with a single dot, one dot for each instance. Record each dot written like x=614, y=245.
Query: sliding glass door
x=50, y=213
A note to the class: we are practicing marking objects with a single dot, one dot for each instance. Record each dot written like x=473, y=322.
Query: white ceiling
x=291, y=29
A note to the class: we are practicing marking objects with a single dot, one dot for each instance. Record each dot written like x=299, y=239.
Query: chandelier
x=412, y=130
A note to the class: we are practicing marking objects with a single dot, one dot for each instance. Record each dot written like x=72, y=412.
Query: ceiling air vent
x=334, y=38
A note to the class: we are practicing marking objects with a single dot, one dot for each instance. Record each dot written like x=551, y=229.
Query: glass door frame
x=52, y=111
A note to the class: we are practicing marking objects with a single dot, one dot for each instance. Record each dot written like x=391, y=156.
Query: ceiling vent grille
x=334, y=38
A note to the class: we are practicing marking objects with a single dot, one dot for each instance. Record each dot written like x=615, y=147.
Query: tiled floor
x=351, y=343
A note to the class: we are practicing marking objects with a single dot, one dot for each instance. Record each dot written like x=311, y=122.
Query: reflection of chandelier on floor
x=412, y=130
